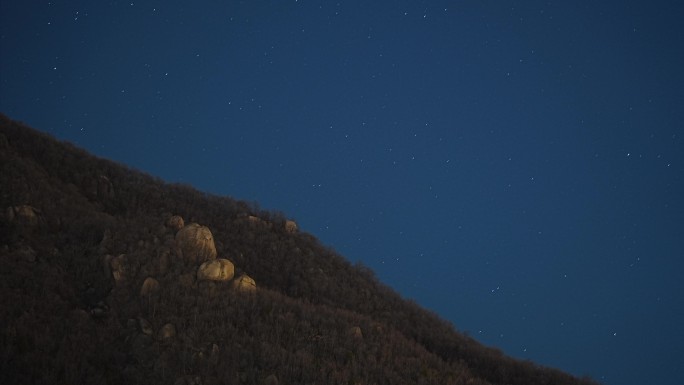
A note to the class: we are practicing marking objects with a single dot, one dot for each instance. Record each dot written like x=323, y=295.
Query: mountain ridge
x=314, y=318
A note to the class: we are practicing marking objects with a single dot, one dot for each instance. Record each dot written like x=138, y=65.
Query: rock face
x=244, y=283
x=216, y=270
x=196, y=243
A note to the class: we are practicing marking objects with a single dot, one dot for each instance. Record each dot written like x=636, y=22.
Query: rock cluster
x=24, y=215
x=191, y=260
x=193, y=244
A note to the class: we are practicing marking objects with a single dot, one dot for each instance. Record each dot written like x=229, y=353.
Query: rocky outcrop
x=196, y=243
x=216, y=270
x=244, y=283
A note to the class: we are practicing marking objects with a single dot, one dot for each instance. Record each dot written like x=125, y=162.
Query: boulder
x=175, y=223
x=149, y=287
x=145, y=326
x=216, y=270
x=166, y=332
x=244, y=283
x=271, y=379
x=117, y=266
x=291, y=227
x=196, y=243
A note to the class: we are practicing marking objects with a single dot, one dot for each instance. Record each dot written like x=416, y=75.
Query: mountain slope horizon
x=99, y=286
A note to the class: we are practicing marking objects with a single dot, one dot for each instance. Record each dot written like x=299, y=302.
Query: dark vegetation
x=314, y=319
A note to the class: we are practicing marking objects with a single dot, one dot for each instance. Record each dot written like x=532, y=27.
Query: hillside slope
x=98, y=286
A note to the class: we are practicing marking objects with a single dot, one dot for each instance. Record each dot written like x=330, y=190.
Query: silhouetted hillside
x=101, y=283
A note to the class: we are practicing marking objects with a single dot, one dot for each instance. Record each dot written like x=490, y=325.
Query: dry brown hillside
x=112, y=276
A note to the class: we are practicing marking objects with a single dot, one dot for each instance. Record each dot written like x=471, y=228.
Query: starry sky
x=515, y=166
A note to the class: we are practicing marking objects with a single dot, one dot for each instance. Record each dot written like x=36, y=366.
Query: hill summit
x=113, y=276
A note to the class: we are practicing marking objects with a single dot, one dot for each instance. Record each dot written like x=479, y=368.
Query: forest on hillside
x=99, y=286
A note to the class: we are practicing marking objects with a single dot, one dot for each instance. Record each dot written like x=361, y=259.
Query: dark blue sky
x=516, y=167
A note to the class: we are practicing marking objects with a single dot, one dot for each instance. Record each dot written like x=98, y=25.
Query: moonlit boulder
x=244, y=283
x=216, y=270
x=196, y=243
x=291, y=227
x=118, y=268
x=175, y=223
x=167, y=332
x=149, y=287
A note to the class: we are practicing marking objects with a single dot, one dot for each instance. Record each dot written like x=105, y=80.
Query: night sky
x=515, y=166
